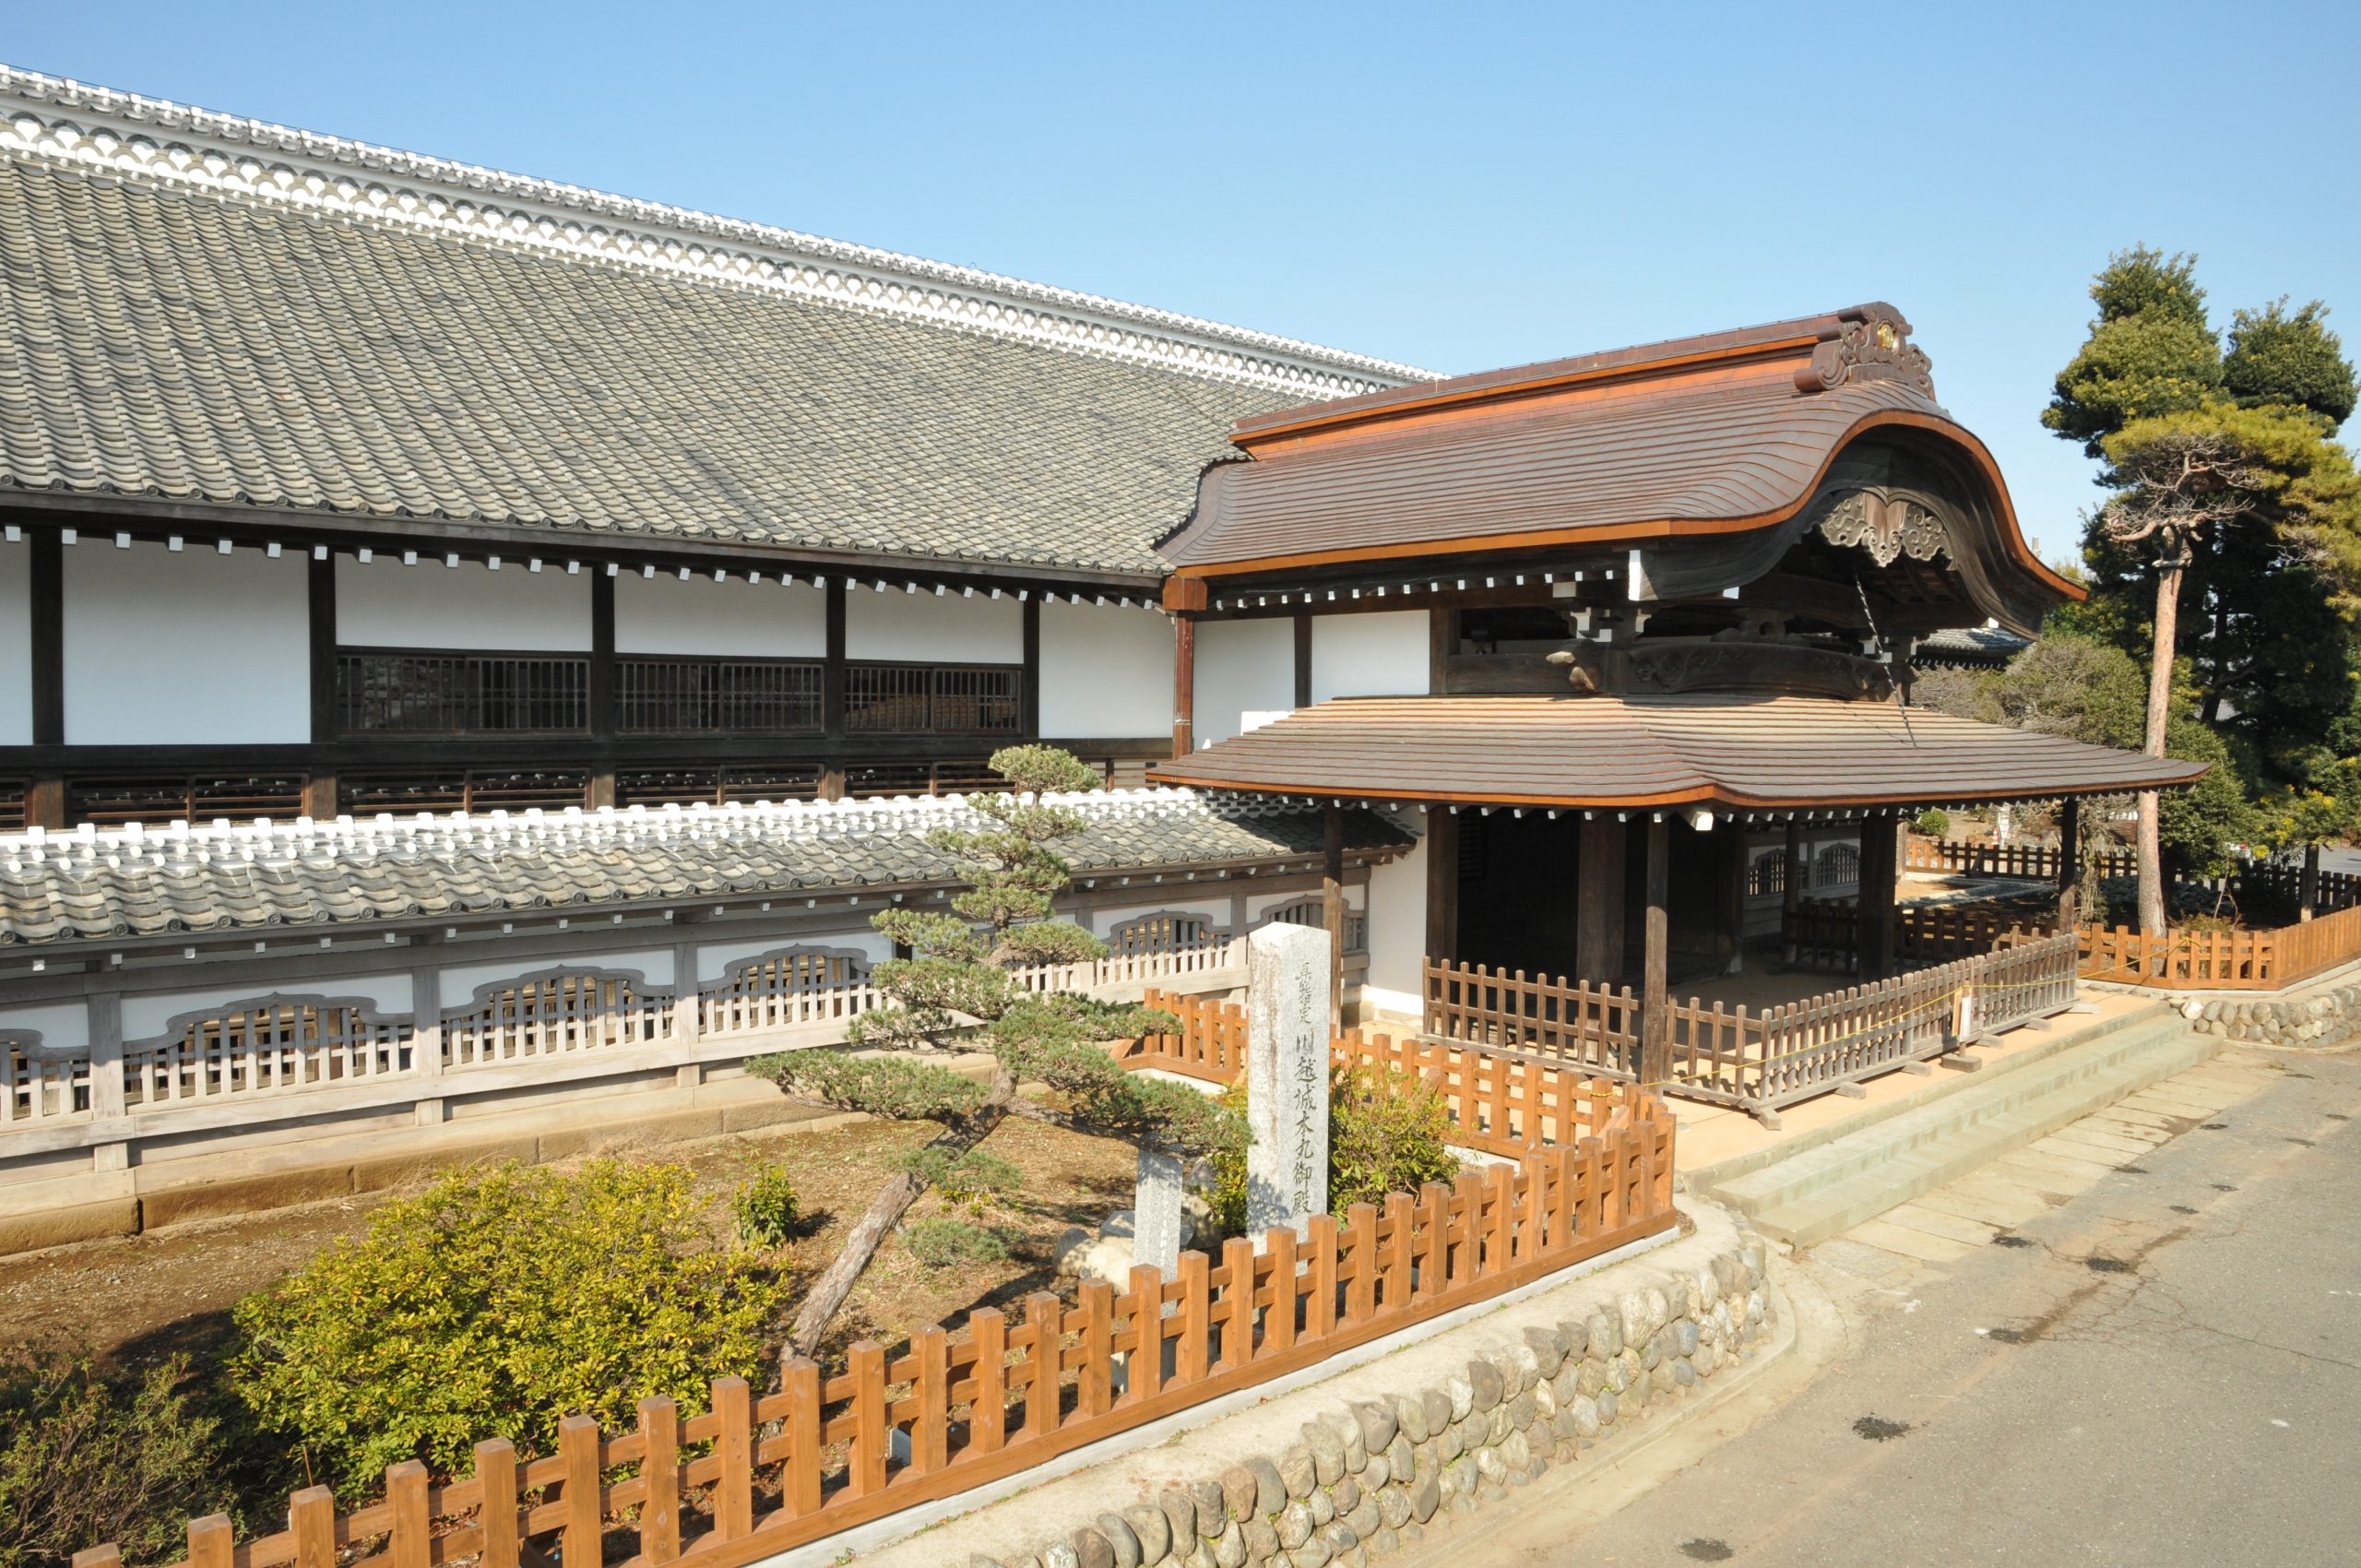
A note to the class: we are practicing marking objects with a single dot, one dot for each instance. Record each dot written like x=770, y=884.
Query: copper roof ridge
x=1637, y=362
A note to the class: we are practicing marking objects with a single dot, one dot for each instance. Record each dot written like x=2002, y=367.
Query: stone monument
x=1155, y=1208
x=1288, y=1030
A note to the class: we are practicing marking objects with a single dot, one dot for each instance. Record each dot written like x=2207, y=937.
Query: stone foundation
x=2316, y=1020
x=1455, y=1425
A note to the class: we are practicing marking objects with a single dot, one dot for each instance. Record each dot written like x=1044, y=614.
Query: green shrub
x=1387, y=1132
x=941, y=1242
x=1934, y=822
x=765, y=1209
x=492, y=1306
x=86, y=1458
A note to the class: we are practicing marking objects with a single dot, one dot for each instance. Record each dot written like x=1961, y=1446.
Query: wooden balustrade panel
x=559, y=1013
x=36, y=1088
x=268, y=1047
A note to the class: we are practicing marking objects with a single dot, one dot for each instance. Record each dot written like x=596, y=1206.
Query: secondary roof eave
x=1723, y=752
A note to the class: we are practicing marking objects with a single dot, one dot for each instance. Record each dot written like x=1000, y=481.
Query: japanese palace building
x=434, y=602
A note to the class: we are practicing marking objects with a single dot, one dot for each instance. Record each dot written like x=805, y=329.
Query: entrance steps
x=1815, y=1191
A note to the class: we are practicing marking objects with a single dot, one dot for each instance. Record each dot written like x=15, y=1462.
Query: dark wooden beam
x=1443, y=645
x=1876, y=901
x=1442, y=884
x=1600, y=879
x=604, y=694
x=2069, y=862
x=1331, y=904
x=45, y=615
x=1304, y=661
x=319, y=779
x=832, y=678
x=1184, y=685
x=1029, y=696
x=1655, y=1023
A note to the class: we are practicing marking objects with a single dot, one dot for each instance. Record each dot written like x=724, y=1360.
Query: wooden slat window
x=462, y=791
x=745, y=785
x=12, y=806
x=935, y=699
x=407, y=692
x=718, y=697
x=1312, y=912
x=112, y=800
x=922, y=778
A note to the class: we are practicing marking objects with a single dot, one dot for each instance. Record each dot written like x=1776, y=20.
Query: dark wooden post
x=605, y=693
x=1331, y=904
x=1303, y=660
x=45, y=623
x=832, y=689
x=1184, y=685
x=1028, y=700
x=2069, y=862
x=1732, y=944
x=1655, y=1025
x=1598, y=900
x=1442, y=884
x=1876, y=901
x=319, y=781
x=1791, y=887
x=2308, y=887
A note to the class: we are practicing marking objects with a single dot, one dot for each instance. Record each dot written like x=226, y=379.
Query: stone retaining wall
x=1368, y=1475
x=2316, y=1020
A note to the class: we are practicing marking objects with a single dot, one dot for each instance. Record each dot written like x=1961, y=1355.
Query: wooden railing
x=751, y=1477
x=2031, y=862
x=1595, y=1026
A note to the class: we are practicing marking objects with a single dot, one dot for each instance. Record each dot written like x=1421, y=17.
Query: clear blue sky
x=1456, y=186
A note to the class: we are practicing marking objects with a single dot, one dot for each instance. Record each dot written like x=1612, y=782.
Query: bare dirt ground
x=135, y=1300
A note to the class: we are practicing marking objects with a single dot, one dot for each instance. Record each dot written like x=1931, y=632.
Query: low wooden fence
x=1762, y=1059
x=1597, y=1026
x=749, y=1476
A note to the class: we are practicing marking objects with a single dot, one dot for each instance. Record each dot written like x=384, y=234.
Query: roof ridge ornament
x=1868, y=349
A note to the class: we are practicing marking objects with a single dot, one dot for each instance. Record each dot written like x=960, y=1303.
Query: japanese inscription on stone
x=1288, y=1027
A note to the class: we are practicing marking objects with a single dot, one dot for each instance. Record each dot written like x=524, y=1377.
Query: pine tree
x=957, y=996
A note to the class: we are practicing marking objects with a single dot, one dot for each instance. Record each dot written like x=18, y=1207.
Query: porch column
x=1184, y=685
x=1331, y=904
x=1599, y=901
x=1791, y=887
x=1655, y=1027
x=2070, y=862
x=1442, y=884
x=1876, y=902
x=1732, y=943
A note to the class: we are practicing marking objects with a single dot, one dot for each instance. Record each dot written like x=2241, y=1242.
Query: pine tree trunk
x=827, y=1295
x=2169, y=567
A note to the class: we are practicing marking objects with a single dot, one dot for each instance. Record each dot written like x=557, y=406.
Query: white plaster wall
x=664, y=615
x=1382, y=654
x=1106, y=670
x=1397, y=934
x=63, y=1025
x=386, y=604
x=948, y=628
x=1242, y=667
x=185, y=648
x=714, y=962
x=15, y=643
x=460, y=983
x=146, y=1016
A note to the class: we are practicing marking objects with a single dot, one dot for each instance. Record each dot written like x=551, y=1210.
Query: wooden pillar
x=1442, y=641
x=832, y=690
x=2308, y=887
x=2069, y=862
x=1791, y=887
x=45, y=623
x=1303, y=660
x=1655, y=1025
x=1442, y=884
x=1331, y=903
x=319, y=783
x=1028, y=697
x=1732, y=943
x=1184, y=685
x=1876, y=901
x=1598, y=900
x=604, y=693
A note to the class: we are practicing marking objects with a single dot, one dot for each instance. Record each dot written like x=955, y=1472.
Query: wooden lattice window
x=407, y=692
x=38, y=1085
x=746, y=783
x=1312, y=912
x=112, y=800
x=935, y=699
x=12, y=806
x=556, y=1012
x=1767, y=874
x=268, y=1045
x=461, y=789
x=1838, y=865
x=718, y=697
x=1166, y=931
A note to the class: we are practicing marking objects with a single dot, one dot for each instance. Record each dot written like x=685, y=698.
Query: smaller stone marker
x=1288, y=1030
x=1156, y=1225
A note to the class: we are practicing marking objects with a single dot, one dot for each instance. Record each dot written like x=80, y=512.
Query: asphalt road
x=2164, y=1370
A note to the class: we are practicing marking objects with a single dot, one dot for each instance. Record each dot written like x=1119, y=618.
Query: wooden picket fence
x=749, y=1476
x=1596, y=1026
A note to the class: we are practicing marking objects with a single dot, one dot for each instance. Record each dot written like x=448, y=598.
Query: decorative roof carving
x=1670, y=666
x=158, y=140
x=1887, y=526
x=1869, y=349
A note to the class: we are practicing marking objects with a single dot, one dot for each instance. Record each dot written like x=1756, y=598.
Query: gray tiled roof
x=159, y=340
x=62, y=888
x=1970, y=645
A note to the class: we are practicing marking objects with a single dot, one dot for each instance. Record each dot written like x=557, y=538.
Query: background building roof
x=99, y=886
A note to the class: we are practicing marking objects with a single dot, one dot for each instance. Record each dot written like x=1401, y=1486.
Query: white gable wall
x=1381, y=654
x=1242, y=667
x=185, y=648
x=1106, y=672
